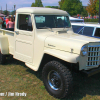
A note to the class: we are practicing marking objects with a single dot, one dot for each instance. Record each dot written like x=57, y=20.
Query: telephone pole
x=14, y=9
x=6, y=9
x=1, y=9
x=99, y=11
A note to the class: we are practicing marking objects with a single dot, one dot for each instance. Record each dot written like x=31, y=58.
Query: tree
x=84, y=12
x=33, y=5
x=13, y=12
x=38, y=3
x=5, y=12
x=56, y=7
x=97, y=6
x=91, y=8
x=73, y=7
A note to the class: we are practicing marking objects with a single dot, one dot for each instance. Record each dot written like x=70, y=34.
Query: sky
x=27, y=3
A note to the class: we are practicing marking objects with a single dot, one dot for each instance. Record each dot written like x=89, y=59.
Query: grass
x=16, y=77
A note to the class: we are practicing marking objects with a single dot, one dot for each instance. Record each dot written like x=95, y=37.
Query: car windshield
x=52, y=21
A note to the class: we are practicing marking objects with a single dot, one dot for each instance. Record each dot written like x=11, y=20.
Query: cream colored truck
x=43, y=37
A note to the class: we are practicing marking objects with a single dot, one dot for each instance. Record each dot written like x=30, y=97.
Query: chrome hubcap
x=54, y=80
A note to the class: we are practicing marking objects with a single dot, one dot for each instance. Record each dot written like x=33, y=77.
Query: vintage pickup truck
x=43, y=38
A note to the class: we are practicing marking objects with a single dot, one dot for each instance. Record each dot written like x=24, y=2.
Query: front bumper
x=91, y=72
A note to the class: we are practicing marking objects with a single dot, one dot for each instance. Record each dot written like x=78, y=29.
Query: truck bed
x=10, y=35
x=10, y=29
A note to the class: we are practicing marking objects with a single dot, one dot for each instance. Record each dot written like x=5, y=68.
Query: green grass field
x=16, y=77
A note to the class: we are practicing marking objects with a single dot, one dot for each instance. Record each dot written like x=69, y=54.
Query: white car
x=86, y=29
x=74, y=20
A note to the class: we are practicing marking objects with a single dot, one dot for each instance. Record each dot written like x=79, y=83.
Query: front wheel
x=57, y=79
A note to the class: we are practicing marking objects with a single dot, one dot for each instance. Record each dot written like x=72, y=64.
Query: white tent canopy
x=2, y=15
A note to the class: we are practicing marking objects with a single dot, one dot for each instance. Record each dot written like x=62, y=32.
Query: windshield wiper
x=45, y=27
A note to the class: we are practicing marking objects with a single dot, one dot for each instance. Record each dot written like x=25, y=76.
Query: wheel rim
x=54, y=80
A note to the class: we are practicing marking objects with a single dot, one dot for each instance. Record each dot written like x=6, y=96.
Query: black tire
x=2, y=58
x=57, y=79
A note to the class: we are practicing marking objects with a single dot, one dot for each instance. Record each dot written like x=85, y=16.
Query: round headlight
x=84, y=51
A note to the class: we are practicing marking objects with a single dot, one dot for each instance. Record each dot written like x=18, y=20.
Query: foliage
x=91, y=8
x=38, y=3
x=90, y=20
x=5, y=12
x=52, y=7
x=84, y=13
x=97, y=6
x=70, y=6
x=33, y=5
x=13, y=12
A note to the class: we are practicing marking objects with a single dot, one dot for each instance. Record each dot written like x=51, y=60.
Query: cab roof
x=41, y=10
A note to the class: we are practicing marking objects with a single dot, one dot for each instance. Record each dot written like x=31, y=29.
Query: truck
x=43, y=38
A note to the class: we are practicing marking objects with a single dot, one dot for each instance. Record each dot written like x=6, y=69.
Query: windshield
x=52, y=21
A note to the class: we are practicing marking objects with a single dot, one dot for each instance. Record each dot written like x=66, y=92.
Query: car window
x=76, y=28
x=40, y=19
x=97, y=32
x=24, y=22
x=52, y=21
x=81, y=31
x=88, y=31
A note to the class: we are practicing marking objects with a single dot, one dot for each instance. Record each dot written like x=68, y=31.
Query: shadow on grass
x=11, y=61
x=82, y=85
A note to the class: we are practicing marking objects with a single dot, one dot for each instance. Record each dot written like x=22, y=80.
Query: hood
x=68, y=42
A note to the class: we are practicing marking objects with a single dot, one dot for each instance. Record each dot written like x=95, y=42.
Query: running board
x=35, y=68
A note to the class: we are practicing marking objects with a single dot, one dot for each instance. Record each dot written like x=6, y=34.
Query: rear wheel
x=57, y=79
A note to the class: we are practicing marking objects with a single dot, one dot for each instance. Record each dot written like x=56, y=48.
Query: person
x=1, y=18
x=1, y=23
x=10, y=23
x=6, y=20
x=60, y=22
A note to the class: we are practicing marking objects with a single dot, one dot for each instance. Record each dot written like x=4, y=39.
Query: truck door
x=24, y=37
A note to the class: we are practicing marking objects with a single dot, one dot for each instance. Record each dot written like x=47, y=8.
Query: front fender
x=4, y=46
x=66, y=56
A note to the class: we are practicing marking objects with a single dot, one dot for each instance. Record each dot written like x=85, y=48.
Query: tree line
x=74, y=7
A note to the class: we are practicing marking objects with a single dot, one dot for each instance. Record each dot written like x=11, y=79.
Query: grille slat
x=93, y=61
x=93, y=56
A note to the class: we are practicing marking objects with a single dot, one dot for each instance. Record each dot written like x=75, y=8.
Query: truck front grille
x=93, y=56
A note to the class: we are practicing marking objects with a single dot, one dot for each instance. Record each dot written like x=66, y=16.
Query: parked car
x=74, y=20
x=92, y=30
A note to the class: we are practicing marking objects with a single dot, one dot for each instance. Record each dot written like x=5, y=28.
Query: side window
x=24, y=22
x=88, y=31
x=76, y=28
x=97, y=33
x=81, y=32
